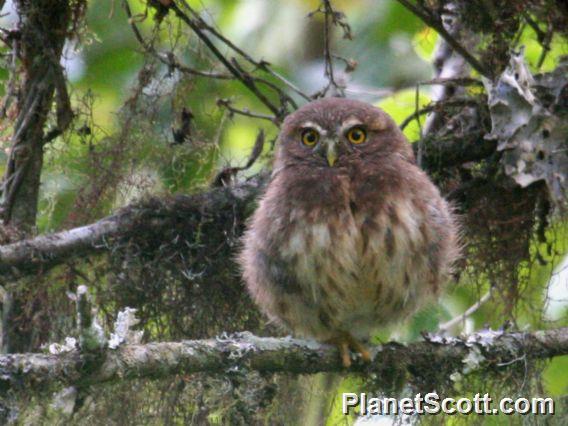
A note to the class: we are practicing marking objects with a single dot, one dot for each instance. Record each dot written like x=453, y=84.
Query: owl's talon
x=360, y=348
x=365, y=355
x=345, y=356
x=344, y=344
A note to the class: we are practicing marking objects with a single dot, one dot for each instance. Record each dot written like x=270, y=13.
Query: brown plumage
x=350, y=234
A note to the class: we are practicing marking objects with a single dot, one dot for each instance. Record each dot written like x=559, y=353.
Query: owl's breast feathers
x=348, y=250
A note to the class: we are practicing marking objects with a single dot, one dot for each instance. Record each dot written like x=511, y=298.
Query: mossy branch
x=486, y=350
x=45, y=251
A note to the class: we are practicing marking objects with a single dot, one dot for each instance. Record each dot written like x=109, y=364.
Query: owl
x=351, y=234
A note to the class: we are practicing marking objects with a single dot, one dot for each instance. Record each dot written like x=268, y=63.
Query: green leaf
x=555, y=376
x=424, y=43
x=401, y=105
x=534, y=50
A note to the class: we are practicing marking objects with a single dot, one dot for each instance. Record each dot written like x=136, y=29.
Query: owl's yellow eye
x=357, y=135
x=310, y=137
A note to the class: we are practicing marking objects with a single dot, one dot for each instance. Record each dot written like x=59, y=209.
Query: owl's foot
x=344, y=343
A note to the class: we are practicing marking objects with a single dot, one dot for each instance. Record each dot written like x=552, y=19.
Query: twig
x=429, y=20
x=539, y=33
x=417, y=116
x=226, y=103
x=284, y=98
x=287, y=82
x=331, y=17
x=199, y=25
x=468, y=312
x=236, y=70
x=261, y=65
x=543, y=37
x=168, y=58
x=350, y=64
x=225, y=176
x=435, y=107
x=328, y=11
x=245, y=79
x=459, y=81
x=545, y=47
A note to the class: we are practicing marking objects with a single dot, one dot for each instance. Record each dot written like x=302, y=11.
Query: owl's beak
x=331, y=152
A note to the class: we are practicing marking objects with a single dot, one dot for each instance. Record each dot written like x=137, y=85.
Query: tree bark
x=39, y=44
x=435, y=356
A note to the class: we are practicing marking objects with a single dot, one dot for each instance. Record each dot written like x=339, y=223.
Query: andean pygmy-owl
x=351, y=234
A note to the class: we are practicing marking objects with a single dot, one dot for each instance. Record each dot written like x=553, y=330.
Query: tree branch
x=168, y=58
x=200, y=27
x=226, y=103
x=431, y=21
x=437, y=106
x=468, y=312
x=260, y=64
x=45, y=251
x=493, y=350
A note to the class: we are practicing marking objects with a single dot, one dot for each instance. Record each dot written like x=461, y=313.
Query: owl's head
x=333, y=132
